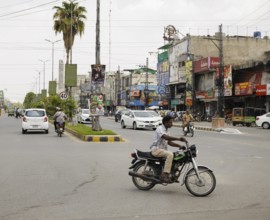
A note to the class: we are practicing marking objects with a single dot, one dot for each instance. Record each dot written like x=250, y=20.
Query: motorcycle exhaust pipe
x=131, y=173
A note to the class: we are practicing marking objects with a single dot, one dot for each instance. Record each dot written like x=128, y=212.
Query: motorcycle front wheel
x=148, y=171
x=203, y=186
x=191, y=132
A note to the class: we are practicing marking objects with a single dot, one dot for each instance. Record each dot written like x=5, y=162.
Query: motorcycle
x=60, y=129
x=146, y=171
x=189, y=129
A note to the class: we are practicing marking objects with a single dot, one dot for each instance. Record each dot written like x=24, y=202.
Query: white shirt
x=159, y=142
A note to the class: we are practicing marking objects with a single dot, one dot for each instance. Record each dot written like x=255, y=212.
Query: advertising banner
x=189, y=83
x=98, y=74
x=97, y=104
x=244, y=88
x=71, y=75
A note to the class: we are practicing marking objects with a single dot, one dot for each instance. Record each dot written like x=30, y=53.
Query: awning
x=165, y=47
x=145, y=69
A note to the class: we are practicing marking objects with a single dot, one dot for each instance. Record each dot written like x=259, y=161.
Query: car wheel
x=47, y=131
x=265, y=125
x=134, y=126
x=23, y=131
x=123, y=124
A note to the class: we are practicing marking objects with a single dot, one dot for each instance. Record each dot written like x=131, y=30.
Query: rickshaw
x=246, y=116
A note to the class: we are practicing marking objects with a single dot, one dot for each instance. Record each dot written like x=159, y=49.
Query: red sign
x=206, y=64
x=261, y=90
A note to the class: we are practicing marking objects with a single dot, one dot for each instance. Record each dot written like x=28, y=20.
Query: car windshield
x=85, y=111
x=35, y=113
x=154, y=113
x=143, y=114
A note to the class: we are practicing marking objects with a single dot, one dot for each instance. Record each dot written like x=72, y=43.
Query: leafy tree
x=65, y=17
x=29, y=100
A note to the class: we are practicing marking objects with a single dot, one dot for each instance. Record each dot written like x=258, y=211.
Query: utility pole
x=220, y=84
x=98, y=33
x=220, y=105
x=146, y=91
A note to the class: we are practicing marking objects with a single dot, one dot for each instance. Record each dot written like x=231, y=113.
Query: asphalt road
x=45, y=177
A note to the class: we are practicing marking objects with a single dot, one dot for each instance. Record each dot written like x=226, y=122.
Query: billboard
x=98, y=74
x=71, y=75
x=52, y=87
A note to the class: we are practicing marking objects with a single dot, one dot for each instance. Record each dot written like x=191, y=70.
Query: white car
x=156, y=115
x=263, y=121
x=139, y=119
x=83, y=116
x=35, y=119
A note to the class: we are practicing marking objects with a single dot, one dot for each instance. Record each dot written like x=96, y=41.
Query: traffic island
x=95, y=138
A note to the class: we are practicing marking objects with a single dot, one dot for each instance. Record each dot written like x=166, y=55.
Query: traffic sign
x=63, y=95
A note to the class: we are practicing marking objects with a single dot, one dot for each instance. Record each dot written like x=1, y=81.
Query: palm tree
x=65, y=17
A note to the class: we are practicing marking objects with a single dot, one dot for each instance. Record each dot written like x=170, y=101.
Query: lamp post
x=38, y=80
x=43, y=61
x=52, y=42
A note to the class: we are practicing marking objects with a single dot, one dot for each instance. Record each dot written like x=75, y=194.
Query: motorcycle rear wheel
x=197, y=187
x=149, y=171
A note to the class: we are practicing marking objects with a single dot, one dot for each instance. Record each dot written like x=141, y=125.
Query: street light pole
x=43, y=61
x=52, y=42
x=38, y=81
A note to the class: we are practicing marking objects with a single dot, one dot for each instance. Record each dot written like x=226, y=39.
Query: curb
x=202, y=128
x=96, y=138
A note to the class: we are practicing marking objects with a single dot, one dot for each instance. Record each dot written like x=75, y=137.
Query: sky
x=131, y=32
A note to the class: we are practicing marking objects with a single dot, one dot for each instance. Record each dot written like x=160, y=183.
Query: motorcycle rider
x=187, y=118
x=162, y=139
x=59, y=117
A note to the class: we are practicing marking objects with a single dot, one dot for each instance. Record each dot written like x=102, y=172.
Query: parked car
x=35, y=119
x=83, y=116
x=139, y=119
x=119, y=113
x=263, y=121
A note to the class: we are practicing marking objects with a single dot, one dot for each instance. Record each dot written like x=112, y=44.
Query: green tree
x=65, y=17
x=29, y=100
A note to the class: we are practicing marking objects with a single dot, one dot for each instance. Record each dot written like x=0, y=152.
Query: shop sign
x=206, y=64
x=244, y=88
x=261, y=90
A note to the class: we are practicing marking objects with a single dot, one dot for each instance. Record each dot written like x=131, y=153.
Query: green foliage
x=67, y=16
x=50, y=103
x=86, y=130
x=29, y=100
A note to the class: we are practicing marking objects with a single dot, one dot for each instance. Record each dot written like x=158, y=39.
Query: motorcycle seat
x=147, y=155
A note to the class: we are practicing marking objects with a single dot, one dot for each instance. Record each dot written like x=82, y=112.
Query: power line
x=27, y=9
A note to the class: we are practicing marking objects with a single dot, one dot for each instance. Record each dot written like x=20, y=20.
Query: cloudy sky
x=136, y=30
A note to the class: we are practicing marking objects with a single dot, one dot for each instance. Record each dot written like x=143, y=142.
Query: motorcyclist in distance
x=59, y=117
x=162, y=139
x=187, y=118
